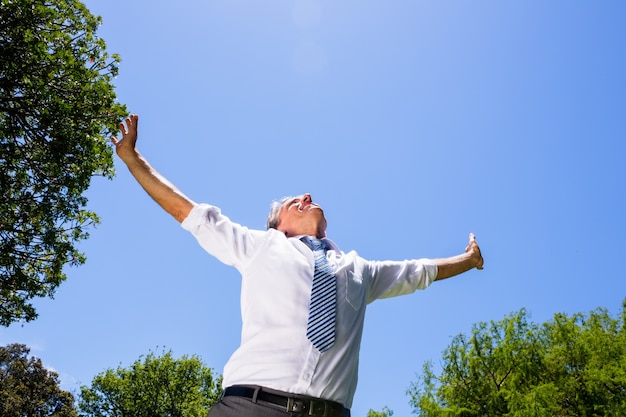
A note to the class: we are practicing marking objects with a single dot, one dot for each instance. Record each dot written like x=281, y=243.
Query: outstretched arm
x=455, y=265
x=157, y=186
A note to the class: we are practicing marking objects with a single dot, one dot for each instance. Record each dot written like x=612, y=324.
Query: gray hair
x=273, y=219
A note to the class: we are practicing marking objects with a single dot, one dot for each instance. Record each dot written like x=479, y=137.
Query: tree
x=158, y=386
x=386, y=412
x=569, y=366
x=28, y=389
x=57, y=109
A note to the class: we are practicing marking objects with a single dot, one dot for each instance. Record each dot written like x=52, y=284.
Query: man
x=303, y=299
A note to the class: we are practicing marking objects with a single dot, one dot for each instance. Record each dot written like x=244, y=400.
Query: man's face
x=300, y=216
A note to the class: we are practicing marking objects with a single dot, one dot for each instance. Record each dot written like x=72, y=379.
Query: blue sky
x=427, y=120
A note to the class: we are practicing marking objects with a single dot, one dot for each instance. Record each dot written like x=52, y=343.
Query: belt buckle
x=318, y=408
x=295, y=405
x=314, y=407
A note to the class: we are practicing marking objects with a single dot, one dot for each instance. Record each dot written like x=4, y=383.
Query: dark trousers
x=256, y=401
x=244, y=407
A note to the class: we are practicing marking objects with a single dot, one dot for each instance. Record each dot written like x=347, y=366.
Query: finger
x=114, y=140
x=135, y=121
x=123, y=128
x=131, y=124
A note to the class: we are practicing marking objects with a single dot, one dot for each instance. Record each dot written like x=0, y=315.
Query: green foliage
x=158, y=386
x=569, y=366
x=386, y=412
x=28, y=389
x=57, y=110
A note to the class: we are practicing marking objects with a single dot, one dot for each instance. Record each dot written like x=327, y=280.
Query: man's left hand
x=473, y=249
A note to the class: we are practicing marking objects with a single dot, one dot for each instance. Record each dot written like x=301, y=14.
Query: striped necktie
x=321, y=323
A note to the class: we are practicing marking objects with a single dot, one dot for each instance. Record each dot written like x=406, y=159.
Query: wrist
x=477, y=258
x=129, y=156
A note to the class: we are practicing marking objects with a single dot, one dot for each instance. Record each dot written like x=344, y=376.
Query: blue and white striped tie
x=321, y=323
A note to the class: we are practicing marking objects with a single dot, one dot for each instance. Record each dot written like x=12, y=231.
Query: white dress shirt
x=277, y=274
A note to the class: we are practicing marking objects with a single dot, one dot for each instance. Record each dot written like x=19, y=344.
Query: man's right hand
x=157, y=186
x=125, y=147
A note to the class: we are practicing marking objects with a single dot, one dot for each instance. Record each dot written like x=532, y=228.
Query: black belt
x=304, y=405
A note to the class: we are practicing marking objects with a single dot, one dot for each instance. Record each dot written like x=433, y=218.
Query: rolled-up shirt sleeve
x=230, y=242
x=393, y=278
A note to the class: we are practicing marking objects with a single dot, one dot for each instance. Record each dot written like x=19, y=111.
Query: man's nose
x=306, y=198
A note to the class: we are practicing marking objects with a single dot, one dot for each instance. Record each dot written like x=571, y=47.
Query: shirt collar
x=330, y=245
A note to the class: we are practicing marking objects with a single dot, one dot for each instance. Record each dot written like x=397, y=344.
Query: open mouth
x=308, y=206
